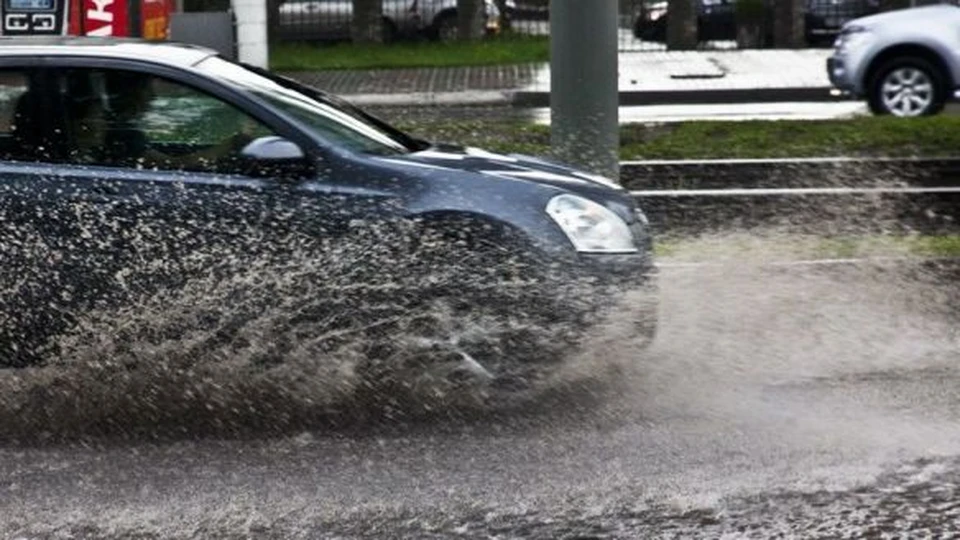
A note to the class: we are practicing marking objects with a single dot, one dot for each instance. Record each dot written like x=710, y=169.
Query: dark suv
x=160, y=201
x=716, y=20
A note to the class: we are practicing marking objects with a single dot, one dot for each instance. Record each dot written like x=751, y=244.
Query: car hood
x=909, y=17
x=513, y=166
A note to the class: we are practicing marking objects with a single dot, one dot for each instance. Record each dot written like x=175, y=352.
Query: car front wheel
x=907, y=87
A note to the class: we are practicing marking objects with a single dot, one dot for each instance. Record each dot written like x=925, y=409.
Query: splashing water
x=180, y=334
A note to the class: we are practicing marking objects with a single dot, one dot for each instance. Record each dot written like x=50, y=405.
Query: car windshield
x=332, y=119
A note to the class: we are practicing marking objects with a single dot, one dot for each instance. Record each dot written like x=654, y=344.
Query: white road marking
x=782, y=161
x=810, y=262
x=762, y=192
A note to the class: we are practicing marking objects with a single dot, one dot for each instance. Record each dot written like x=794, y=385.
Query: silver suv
x=905, y=63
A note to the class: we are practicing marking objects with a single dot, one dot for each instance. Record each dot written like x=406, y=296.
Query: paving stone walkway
x=725, y=75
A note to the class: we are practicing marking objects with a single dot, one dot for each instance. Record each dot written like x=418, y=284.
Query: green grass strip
x=860, y=136
x=936, y=136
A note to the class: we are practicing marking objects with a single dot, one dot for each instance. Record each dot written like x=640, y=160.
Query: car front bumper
x=586, y=322
x=613, y=290
x=839, y=75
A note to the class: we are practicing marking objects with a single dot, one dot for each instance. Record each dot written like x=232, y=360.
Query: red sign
x=104, y=18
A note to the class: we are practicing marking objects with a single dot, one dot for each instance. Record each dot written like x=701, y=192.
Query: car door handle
x=105, y=189
x=102, y=194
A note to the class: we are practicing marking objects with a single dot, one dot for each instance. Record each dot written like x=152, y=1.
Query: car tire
x=922, y=88
x=655, y=31
x=445, y=27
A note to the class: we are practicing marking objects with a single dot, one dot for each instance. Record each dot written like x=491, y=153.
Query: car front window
x=335, y=123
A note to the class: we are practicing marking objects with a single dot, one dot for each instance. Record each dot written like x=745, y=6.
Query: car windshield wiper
x=411, y=143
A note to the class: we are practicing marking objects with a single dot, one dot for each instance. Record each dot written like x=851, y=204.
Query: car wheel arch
x=482, y=226
x=445, y=15
x=548, y=243
x=902, y=50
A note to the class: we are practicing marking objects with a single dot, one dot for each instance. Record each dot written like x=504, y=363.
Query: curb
x=698, y=97
x=426, y=99
x=526, y=99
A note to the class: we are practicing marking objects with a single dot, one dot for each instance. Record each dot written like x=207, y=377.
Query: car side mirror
x=272, y=148
x=275, y=156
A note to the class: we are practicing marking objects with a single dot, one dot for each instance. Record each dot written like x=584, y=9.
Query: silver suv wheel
x=907, y=87
x=907, y=91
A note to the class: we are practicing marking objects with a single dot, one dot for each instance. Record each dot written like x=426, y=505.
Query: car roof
x=163, y=52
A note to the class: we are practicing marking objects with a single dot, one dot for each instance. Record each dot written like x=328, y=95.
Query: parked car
x=824, y=18
x=129, y=167
x=716, y=20
x=531, y=10
x=331, y=19
x=904, y=63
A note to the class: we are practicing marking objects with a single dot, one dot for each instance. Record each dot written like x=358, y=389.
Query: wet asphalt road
x=777, y=402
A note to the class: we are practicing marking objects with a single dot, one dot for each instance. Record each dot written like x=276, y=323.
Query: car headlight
x=591, y=227
x=852, y=38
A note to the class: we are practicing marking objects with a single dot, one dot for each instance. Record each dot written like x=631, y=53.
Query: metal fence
x=643, y=23
x=213, y=29
x=331, y=20
x=720, y=24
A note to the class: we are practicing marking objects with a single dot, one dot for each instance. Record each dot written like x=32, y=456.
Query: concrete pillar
x=251, y=17
x=584, y=96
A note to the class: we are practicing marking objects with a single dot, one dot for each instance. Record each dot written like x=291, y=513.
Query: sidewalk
x=646, y=78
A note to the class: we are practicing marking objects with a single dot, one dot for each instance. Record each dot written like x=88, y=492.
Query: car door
x=407, y=16
x=316, y=19
x=35, y=225
x=122, y=228
x=160, y=222
x=717, y=20
x=164, y=183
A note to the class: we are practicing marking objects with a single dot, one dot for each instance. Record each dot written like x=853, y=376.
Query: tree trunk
x=470, y=19
x=788, y=24
x=750, y=16
x=749, y=35
x=273, y=21
x=682, y=25
x=367, y=24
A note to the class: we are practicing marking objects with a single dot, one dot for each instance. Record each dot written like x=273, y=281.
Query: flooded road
x=797, y=401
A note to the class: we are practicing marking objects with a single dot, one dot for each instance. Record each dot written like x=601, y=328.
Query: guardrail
x=807, y=195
